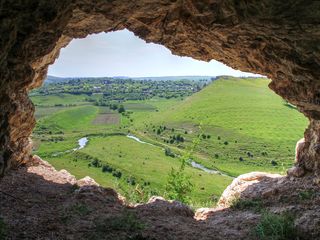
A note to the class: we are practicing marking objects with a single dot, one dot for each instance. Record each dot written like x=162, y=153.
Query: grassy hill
x=242, y=124
x=250, y=127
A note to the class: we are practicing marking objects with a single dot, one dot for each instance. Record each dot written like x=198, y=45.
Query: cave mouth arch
x=85, y=131
x=264, y=37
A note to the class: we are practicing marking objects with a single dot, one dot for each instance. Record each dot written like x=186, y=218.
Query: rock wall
x=279, y=39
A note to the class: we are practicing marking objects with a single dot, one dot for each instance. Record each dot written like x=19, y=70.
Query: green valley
x=240, y=125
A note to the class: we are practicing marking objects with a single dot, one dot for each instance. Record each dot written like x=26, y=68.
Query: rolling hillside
x=246, y=122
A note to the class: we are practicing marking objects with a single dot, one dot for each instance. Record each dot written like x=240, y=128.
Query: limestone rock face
x=246, y=186
x=279, y=39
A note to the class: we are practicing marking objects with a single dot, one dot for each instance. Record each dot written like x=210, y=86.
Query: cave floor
x=38, y=202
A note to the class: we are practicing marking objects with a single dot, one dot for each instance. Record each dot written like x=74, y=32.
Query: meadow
x=243, y=127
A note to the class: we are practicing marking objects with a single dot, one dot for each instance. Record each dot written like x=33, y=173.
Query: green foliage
x=244, y=204
x=241, y=115
x=121, y=109
x=307, y=194
x=80, y=209
x=127, y=222
x=168, y=152
x=179, y=185
x=276, y=227
x=242, y=112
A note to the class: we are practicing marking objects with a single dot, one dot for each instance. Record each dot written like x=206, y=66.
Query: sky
x=121, y=53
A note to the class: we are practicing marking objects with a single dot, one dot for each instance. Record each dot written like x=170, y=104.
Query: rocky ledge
x=39, y=202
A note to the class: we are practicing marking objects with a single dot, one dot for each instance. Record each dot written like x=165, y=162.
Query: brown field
x=107, y=118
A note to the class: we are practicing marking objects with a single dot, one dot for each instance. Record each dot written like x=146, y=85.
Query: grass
x=244, y=119
x=127, y=221
x=307, y=194
x=247, y=204
x=276, y=227
x=124, y=226
x=59, y=99
x=143, y=162
x=247, y=124
x=72, y=119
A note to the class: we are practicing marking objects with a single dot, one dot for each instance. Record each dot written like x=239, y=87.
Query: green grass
x=64, y=99
x=242, y=116
x=276, y=227
x=74, y=119
x=243, y=113
x=144, y=162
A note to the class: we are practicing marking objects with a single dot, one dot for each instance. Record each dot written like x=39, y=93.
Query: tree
x=121, y=109
x=179, y=185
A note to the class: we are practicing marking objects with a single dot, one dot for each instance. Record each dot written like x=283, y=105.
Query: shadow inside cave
x=40, y=203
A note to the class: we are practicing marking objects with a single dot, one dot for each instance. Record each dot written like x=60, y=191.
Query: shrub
x=96, y=163
x=117, y=174
x=131, y=180
x=226, y=143
x=241, y=159
x=179, y=185
x=276, y=227
x=169, y=153
x=274, y=163
x=107, y=168
x=307, y=194
x=242, y=204
x=80, y=209
x=126, y=222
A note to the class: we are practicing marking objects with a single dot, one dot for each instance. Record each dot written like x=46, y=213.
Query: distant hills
x=53, y=79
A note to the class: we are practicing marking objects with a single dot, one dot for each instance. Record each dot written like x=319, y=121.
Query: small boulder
x=296, y=172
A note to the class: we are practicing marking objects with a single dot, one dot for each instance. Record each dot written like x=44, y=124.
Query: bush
x=127, y=222
x=96, y=163
x=117, y=174
x=107, y=168
x=226, y=143
x=179, y=185
x=121, y=109
x=307, y=194
x=169, y=153
x=243, y=204
x=131, y=180
x=276, y=227
x=274, y=163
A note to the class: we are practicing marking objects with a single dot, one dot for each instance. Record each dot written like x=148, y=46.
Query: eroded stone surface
x=38, y=202
x=279, y=39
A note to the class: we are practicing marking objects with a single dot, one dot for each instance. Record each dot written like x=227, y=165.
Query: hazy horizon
x=121, y=53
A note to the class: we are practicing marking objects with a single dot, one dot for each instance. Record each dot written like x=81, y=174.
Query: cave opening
x=84, y=119
x=276, y=39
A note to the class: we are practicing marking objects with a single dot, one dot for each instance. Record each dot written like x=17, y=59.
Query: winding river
x=82, y=142
x=193, y=163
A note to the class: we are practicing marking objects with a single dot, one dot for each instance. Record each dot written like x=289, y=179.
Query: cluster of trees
x=123, y=89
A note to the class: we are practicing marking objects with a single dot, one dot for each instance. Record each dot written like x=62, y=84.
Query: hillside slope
x=246, y=121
